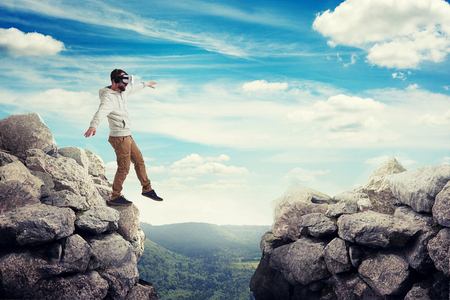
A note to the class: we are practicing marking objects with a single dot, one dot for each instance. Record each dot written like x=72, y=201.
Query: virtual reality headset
x=127, y=78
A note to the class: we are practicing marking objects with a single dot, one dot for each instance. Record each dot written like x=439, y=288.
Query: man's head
x=117, y=80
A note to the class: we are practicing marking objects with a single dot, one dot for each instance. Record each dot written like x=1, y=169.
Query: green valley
x=201, y=261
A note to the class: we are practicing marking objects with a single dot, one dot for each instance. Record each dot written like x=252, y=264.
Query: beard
x=122, y=88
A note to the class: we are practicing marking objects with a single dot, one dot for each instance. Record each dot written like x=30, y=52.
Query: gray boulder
x=36, y=224
x=81, y=286
x=138, y=243
x=116, y=261
x=295, y=202
x=360, y=289
x=269, y=284
x=342, y=207
x=66, y=174
x=375, y=230
x=18, y=171
x=441, y=207
x=97, y=167
x=300, y=262
x=266, y=244
x=405, y=213
x=14, y=195
x=418, y=188
x=98, y=219
x=128, y=222
x=78, y=154
x=19, y=273
x=357, y=196
x=19, y=133
x=317, y=225
x=22, y=272
x=416, y=251
x=348, y=286
x=105, y=191
x=6, y=158
x=67, y=198
x=46, y=179
x=377, y=186
x=387, y=274
x=299, y=193
x=143, y=290
x=355, y=254
x=438, y=250
x=336, y=256
x=76, y=254
x=375, y=194
x=418, y=293
x=287, y=215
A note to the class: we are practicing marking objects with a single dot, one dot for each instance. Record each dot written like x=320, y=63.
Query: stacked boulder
x=58, y=237
x=388, y=239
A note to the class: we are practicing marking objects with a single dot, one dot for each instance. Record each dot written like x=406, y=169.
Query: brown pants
x=126, y=152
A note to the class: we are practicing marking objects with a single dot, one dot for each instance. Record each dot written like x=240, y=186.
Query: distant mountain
x=201, y=239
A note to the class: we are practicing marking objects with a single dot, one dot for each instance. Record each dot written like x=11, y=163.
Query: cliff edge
x=58, y=237
x=388, y=239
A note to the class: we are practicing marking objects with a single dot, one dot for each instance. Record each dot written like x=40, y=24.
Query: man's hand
x=151, y=84
x=90, y=131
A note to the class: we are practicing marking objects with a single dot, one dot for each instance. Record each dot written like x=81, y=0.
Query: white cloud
x=222, y=157
x=434, y=120
x=400, y=75
x=189, y=161
x=210, y=168
x=231, y=184
x=264, y=86
x=339, y=112
x=302, y=175
x=111, y=168
x=196, y=160
x=178, y=179
x=396, y=34
x=156, y=170
x=412, y=87
x=445, y=160
x=353, y=60
x=58, y=99
x=73, y=106
x=16, y=43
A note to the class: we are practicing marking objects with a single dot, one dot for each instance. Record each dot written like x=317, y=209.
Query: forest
x=201, y=261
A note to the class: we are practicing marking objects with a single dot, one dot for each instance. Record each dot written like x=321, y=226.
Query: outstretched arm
x=90, y=131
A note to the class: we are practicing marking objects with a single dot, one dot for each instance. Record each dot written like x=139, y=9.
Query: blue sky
x=251, y=96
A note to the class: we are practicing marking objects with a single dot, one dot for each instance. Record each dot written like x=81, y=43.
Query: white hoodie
x=114, y=106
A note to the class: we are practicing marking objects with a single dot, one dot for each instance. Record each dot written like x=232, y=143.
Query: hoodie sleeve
x=104, y=109
x=133, y=88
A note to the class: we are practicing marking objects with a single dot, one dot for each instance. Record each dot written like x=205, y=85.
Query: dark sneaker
x=120, y=201
x=152, y=195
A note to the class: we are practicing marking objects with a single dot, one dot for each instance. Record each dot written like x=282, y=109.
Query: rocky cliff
x=58, y=237
x=388, y=239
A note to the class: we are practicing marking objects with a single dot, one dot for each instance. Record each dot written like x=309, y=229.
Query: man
x=113, y=105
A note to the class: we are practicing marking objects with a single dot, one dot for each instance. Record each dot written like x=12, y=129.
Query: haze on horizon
x=251, y=96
